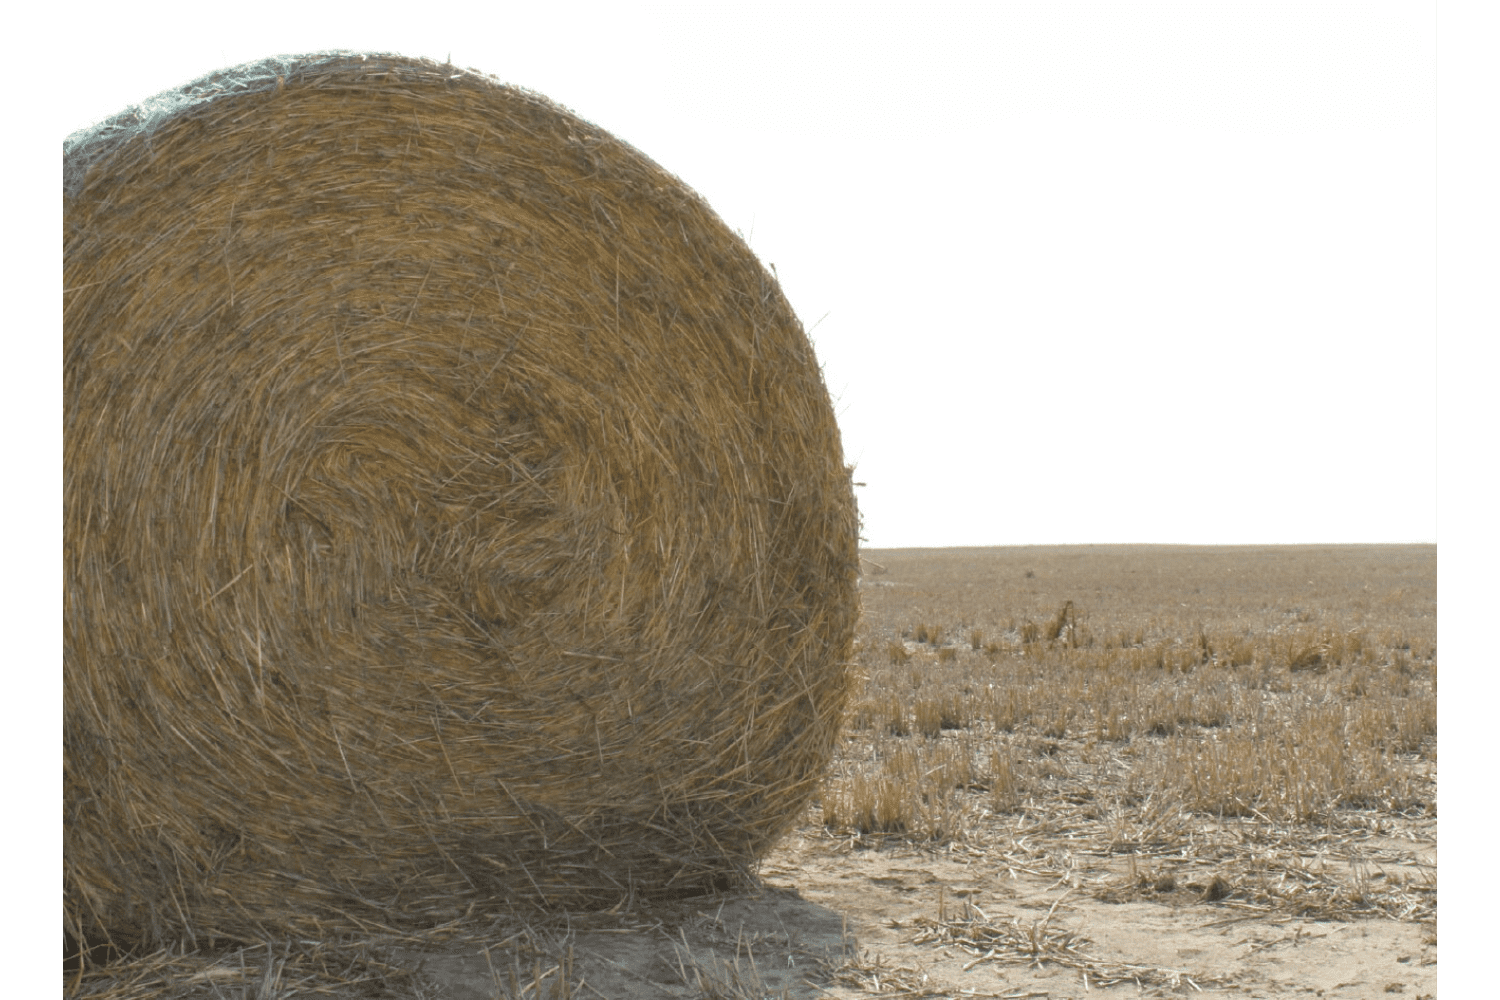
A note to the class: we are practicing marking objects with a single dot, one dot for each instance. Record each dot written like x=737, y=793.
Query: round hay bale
x=455, y=515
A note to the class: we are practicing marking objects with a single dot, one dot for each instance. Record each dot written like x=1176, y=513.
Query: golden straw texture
x=455, y=517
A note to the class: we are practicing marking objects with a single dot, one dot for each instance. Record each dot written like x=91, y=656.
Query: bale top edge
x=86, y=146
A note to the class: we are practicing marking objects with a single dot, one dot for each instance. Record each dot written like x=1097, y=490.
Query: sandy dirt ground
x=835, y=920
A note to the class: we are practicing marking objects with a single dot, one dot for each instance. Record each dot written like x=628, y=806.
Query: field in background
x=1129, y=688
x=1253, y=728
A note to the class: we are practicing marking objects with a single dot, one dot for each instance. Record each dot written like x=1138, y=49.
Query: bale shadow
x=760, y=941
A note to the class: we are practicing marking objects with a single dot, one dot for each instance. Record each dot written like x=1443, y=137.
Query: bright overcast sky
x=1076, y=272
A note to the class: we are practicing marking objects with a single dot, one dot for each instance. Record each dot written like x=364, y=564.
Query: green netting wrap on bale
x=455, y=515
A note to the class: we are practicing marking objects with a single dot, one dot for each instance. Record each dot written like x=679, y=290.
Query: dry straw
x=455, y=515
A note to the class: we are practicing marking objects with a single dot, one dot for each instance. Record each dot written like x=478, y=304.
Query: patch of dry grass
x=1256, y=708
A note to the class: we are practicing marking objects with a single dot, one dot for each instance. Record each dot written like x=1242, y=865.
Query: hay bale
x=455, y=516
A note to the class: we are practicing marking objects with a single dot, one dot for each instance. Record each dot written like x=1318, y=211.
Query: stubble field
x=1107, y=770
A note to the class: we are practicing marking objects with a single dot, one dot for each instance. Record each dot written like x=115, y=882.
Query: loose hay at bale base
x=455, y=515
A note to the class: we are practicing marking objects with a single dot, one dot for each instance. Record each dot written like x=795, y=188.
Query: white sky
x=1076, y=272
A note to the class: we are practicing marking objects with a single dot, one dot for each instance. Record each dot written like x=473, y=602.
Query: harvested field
x=1103, y=771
